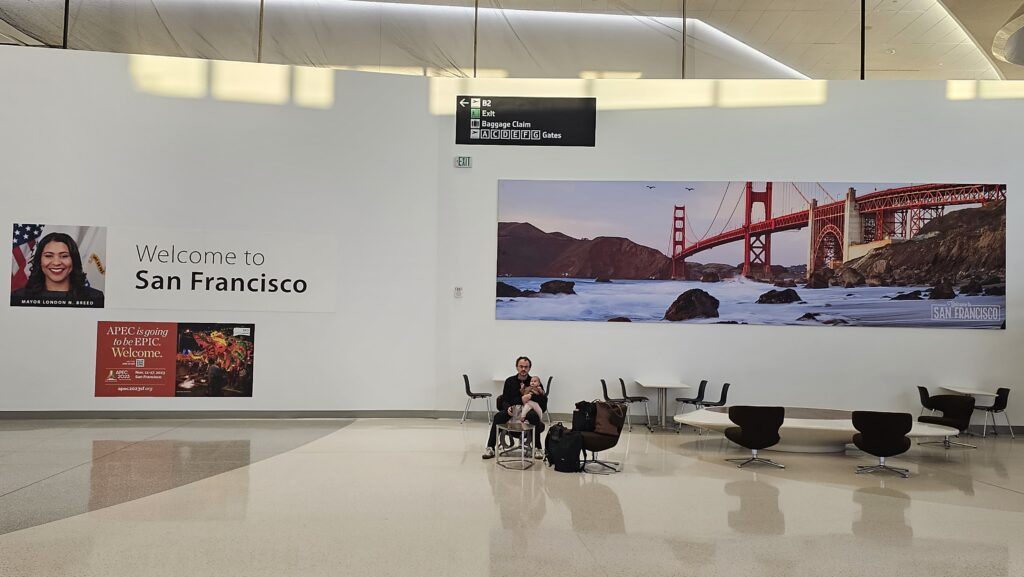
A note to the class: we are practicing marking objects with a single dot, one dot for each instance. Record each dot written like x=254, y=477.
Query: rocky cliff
x=525, y=250
x=968, y=243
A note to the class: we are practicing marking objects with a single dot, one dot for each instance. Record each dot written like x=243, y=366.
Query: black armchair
x=956, y=412
x=596, y=442
x=882, y=435
x=758, y=429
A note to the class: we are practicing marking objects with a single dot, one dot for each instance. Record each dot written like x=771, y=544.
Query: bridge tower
x=757, y=248
x=678, y=242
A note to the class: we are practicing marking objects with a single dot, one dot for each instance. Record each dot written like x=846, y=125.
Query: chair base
x=946, y=443
x=606, y=467
x=744, y=461
x=872, y=468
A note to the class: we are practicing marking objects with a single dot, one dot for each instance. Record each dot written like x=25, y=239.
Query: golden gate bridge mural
x=836, y=225
x=846, y=253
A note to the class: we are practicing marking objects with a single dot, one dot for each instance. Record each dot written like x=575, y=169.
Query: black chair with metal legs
x=956, y=412
x=623, y=401
x=636, y=399
x=998, y=406
x=882, y=435
x=547, y=393
x=474, y=396
x=758, y=429
x=926, y=400
x=721, y=401
x=695, y=401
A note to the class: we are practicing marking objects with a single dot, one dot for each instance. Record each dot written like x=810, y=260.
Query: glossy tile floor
x=413, y=498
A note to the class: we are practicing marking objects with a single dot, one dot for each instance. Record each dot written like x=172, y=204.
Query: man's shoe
x=538, y=454
x=488, y=453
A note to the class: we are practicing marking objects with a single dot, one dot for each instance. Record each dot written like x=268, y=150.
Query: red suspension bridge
x=836, y=224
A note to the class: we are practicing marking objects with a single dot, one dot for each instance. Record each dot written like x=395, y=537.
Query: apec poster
x=927, y=255
x=153, y=359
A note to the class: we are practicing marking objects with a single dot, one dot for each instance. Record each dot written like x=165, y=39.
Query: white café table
x=969, y=391
x=662, y=388
x=807, y=430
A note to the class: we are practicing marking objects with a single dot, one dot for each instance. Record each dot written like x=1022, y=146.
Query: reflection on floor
x=412, y=497
x=52, y=470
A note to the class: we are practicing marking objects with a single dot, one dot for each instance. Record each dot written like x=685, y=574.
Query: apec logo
x=118, y=375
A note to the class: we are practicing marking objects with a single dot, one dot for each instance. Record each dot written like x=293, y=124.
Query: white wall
x=876, y=131
x=79, y=145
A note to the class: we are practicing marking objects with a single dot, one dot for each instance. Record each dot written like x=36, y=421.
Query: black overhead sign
x=521, y=121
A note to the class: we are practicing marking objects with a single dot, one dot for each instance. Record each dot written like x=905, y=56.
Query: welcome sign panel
x=898, y=254
x=220, y=270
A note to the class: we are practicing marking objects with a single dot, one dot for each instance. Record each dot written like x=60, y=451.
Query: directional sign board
x=523, y=121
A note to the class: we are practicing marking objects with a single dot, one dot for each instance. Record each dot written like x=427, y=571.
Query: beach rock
x=507, y=290
x=774, y=297
x=710, y=276
x=850, y=277
x=992, y=280
x=786, y=283
x=942, y=290
x=818, y=280
x=728, y=323
x=910, y=296
x=619, y=320
x=995, y=290
x=809, y=317
x=973, y=287
x=875, y=281
x=602, y=279
x=554, y=287
x=692, y=304
x=834, y=322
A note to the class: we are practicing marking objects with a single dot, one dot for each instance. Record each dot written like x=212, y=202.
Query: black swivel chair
x=758, y=429
x=474, y=396
x=596, y=442
x=720, y=402
x=622, y=401
x=926, y=400
x=882, y=435
x=997, y=406
x=636, y=399
x=956, y=412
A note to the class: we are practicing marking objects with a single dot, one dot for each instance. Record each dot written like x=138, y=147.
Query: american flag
x=25, y=237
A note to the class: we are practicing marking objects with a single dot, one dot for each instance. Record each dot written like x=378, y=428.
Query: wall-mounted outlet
x=458, y=292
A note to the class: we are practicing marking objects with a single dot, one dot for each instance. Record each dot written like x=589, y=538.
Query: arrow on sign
x=462, y=103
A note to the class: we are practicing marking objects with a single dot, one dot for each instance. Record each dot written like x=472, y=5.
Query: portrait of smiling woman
x=56, y=277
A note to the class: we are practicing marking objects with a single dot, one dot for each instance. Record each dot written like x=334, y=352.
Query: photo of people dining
x=214, y=360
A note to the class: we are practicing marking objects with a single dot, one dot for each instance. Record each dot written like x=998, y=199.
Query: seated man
x=517, y=391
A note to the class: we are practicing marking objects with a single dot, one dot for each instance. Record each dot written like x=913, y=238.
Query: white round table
x=807, y=430
x=662, y=388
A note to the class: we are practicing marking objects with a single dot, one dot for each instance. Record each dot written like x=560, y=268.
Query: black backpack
x=563, y=448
